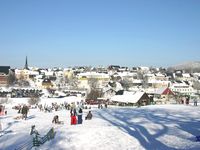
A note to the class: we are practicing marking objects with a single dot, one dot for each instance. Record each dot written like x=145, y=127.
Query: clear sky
x=99, y=32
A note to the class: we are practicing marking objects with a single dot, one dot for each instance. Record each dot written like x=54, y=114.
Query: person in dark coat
x=80, y=116
x=89, y=116
x=195, y=102
x=55, y=119
x=24, y=112
x=187, y=101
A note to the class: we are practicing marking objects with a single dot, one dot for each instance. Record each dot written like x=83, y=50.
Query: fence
x=26, y=146
x=37, y=141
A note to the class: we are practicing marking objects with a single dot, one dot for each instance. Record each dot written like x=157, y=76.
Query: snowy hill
x=162, y=127
x=192, y=66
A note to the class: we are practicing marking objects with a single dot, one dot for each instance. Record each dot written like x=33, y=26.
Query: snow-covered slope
x=162, y=127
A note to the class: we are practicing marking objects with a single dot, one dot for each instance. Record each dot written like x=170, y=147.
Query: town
x=113, y=84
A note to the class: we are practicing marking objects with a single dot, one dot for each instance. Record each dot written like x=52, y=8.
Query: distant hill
x=190, y=67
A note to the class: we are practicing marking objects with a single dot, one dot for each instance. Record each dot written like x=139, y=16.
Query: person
x=73, y=119
x=195, y=102
x=1, y=110
x=99, y=106
x=24, y=112
x=56, y=120
x=106, y=105
x=1, y=128
x=33, y=130
x=80, y=116
x=187, y=101
x=89, y=116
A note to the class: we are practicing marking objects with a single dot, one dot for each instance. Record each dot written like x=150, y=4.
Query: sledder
x=56, y=120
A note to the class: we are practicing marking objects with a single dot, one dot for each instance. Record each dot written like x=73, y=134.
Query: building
x=4, y=72
x=129, y=98
x=182, y=87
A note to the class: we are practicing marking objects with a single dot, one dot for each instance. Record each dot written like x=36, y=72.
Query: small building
x=129, y=98
x=163, y=95
x=46, y=83
x=4, y=72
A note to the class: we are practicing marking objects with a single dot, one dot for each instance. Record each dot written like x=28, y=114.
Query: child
x=89, y=116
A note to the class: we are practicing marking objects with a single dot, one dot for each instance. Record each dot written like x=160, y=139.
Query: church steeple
x=26, y=64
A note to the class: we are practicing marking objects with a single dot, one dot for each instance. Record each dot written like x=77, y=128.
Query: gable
x=167, y=91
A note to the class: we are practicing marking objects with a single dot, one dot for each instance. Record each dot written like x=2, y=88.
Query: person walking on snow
x=80, y=113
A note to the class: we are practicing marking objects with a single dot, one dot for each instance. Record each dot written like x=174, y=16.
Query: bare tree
x=94, y=91
x=94, y=94
x=72, y=81
x=23, y=83
x=126, y=84
x=34, y=100
x=11, y=78
x=144, y=79
x=196, y=85
x=93, y=83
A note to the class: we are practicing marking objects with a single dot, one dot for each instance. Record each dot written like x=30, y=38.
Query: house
x=108, y=91
x=163, y=95
x=182, y=87
x=100, y=78
x=47, y=84
x=130, y=98
x=4, y=72
x=113, y=67
x=22, y=74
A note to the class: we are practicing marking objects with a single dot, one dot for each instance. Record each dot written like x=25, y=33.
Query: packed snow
x=162, y=127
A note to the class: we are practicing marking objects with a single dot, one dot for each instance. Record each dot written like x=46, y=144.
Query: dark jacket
x=24, y=110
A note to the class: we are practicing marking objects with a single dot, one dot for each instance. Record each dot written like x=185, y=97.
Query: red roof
x=167, y=91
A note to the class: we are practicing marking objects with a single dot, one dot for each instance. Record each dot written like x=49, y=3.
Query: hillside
x=193, y=66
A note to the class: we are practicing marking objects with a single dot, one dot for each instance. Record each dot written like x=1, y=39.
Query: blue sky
x=99, y=32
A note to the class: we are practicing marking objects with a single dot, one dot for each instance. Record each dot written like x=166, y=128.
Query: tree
x=94, y=91
x=93, y=83
x=11, y=78
x=34, y=100
x=126, y=84
x=196, y=85
x=72, y=81
x=94, y=94
x=143, y=78
x=23, y=83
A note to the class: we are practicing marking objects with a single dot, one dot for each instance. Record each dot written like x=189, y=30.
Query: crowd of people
x=75, y=109
x=76, y=115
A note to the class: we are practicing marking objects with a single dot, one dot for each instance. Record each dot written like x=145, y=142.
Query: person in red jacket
x=73, y=119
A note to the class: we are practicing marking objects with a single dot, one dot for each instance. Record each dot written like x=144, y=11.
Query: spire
x=26, y=64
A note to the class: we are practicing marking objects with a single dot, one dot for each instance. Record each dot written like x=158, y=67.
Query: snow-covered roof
x=144, y=68
x=162, y=91
x=128, y=97
x=149, y=75
x=126, y=74
x=186, y=75
x=159, y=75
x=94, y=75
x=137, y=81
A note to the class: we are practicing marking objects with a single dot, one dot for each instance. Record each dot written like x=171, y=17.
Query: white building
x=182, y=88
